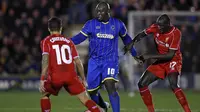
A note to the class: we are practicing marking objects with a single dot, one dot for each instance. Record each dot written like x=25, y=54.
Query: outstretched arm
x=165, y=57
x=77, y=39
x=84, y=33
x=126, y=40
x=137, y=38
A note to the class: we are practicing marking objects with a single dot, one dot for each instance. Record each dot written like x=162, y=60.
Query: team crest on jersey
x=166, y=39
x=98, y=27
x=113, y=27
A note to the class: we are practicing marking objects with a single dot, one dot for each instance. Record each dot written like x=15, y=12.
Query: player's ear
x=49, y=30
x=109, y=11
x=61, y=29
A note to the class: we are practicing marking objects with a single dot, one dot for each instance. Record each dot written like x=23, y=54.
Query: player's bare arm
x=80, y=68
x=45, y=63
x=164, y=57
x=136, y=39
x=126, y=40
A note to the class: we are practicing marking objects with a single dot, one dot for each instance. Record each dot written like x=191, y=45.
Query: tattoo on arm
x=80, y=68
x=45, y=63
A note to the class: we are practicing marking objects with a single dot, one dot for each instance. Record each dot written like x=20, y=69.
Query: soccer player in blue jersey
x=103, y=32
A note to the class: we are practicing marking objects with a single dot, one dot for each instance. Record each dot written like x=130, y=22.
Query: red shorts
x=161, y=70
x=72, y=84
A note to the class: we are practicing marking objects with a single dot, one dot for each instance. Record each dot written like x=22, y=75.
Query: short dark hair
x=54, y=24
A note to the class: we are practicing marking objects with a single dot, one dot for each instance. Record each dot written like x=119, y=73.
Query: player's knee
x=111, y=90
x=174, y=86
x=173, y=80
x=142, y=84
x=110, y=86
x=45, y=95
x=83, y=97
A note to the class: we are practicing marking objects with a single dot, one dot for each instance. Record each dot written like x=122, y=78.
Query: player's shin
x=91, y=105
x=94, y=97
x=98, y=99
x=182, y=99
x=102, y=103
x=45, y=104
x=115, y=101
x=147, y=98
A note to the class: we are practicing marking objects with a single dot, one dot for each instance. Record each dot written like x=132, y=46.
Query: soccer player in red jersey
x=58, y=57
x=169, y=60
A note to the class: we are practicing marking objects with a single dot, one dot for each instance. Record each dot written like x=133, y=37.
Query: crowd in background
x=23, y=23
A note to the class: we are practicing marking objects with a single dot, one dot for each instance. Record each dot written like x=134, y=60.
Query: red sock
x=182, y=99
x=147, y=98
x=45, y=105
x=92, y=106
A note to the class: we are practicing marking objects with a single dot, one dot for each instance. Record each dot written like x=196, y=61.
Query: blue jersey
x=103, y=39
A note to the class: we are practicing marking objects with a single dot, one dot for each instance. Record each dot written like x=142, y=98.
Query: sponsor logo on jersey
x=108, y=36
x=161, y=43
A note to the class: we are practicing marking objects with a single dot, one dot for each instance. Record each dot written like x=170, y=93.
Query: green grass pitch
x=164, y=101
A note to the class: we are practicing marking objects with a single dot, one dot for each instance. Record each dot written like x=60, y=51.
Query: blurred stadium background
x=23, y=23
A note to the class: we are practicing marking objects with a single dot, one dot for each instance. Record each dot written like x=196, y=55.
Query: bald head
x=102, y=11
x=103, y=5
x=163, y=22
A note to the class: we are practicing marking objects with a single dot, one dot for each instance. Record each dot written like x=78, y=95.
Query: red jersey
x=166, y=41
x=61, y=53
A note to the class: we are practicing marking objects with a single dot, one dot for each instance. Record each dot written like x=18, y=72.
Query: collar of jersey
x=171, y=30
x=106, y=22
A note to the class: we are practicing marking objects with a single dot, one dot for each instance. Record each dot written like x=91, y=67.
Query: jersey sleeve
x=86, y=30
x=44, y=47
x=152, y=29
x=74, y=51
x=176, y=39
x=123, y=30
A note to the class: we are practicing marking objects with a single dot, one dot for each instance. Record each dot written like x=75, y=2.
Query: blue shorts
x=98, y=73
